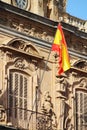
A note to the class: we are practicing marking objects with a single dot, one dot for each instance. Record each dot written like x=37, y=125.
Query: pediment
x=81, y=64
x=23, y=47
x=27, y=47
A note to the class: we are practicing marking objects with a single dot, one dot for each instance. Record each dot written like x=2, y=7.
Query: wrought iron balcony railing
x=24, y=119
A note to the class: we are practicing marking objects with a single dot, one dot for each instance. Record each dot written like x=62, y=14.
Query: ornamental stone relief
x=32, y=32
x=28, y=29
x=82, y=47
x=62, y=86
x=20, y=63
x=80, y=64
x=80, y=82
x=25, y=47
x=48, y=110
x=83, y=83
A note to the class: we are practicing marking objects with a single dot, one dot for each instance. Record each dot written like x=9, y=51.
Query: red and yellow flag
x=60, y=47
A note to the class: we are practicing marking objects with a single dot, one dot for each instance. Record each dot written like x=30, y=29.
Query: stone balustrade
x=74, y=21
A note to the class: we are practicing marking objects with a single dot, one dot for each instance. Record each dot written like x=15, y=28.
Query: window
x=17, y=95
x=81, y=110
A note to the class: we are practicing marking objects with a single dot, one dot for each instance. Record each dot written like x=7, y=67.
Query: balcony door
x=18, y=98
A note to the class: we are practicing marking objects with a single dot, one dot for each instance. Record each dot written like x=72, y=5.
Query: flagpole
x=38, y=88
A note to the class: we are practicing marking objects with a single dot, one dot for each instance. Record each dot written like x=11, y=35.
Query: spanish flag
x=60, y=47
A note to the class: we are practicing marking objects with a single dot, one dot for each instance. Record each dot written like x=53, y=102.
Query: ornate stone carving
x=31, y=32
x=62, y=4
x=63, y=84
x=28, y=48
x=83, y=83
x=18, y=44
x=47, y=108
x=44, y=35
x=20, y=63
x=28, y=29
x=80, y=64
x=20, y=28
x=14, y=25
x=3, y=116
x=47, y=104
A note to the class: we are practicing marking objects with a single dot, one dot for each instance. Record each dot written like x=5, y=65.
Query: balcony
x=22, y=119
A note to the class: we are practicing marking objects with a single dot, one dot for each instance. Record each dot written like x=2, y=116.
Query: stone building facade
x=32, y=95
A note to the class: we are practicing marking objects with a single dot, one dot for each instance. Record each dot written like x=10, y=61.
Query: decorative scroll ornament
x=20, y=63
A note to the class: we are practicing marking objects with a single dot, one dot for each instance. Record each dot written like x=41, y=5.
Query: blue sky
x=77, y=8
